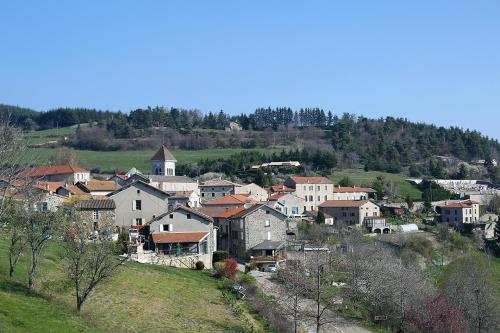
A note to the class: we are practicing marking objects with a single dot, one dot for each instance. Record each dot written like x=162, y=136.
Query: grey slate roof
x=268, y=245
x=170, y=179
x=95, y=204
x=163, y=154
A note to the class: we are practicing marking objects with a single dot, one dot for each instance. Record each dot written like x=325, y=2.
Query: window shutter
x=170, y=227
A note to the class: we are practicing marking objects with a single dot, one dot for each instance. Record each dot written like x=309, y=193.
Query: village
x=173, y=220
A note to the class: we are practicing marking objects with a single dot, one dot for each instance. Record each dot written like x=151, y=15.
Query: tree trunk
x=31, y=274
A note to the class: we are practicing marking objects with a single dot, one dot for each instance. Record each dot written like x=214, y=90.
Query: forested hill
x=389, y=144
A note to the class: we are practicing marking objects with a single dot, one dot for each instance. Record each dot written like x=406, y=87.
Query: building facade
x=314, y=190
x=350, y=212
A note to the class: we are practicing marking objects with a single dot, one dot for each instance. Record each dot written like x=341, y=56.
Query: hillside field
x=138, y=298
x=141, y=159
x=366, y=178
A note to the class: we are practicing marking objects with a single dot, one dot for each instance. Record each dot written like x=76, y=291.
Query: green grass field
x=138, y=298
x=141, y=159
x=44, y=136
x=361, y=177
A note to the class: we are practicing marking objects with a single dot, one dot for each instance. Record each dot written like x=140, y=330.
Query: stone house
x=216, y=188
x=253, y=190
x=350, y=212
x=138, y=202
x=254, y=227
x=314, y=190
x=184, y=231
x=96, y=212
x=351, y=193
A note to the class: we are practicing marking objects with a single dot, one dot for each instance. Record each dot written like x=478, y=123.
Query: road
x=338, y=324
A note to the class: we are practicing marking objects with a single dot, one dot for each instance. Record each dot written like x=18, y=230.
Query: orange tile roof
x=75, y=190
x=281, y=188
x=344, y=203
x=311, y=180
x=276, y=196
x=463, y=204
x=233, y=199
x=49, y=186
x=178, y=237
x=99, y=185
x=47, y=170
x=350, y=189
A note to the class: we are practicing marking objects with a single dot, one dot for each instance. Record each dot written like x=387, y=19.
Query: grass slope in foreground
x=139, y=298
x=361, y=177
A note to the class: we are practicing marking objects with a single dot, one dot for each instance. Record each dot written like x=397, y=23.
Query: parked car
x=271, y=268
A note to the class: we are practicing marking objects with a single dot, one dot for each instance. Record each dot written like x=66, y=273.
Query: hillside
x=139, y=298
x=388, y=144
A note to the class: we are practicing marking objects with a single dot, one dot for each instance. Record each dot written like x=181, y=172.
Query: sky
x=429, y=61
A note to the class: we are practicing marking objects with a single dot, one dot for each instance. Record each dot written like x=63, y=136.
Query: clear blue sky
x=432, y=61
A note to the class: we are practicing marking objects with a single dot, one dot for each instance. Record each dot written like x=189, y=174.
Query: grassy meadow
x=138, y=298
x=361, y=177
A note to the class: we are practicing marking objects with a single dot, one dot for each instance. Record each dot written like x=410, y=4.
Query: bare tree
x=12, y=152
x=292, y=300
x=471, y=289
x=39, y=228
x=319, y=288
x=89, y=254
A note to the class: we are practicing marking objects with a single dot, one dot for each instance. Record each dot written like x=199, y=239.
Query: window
x=344, y=214
x=319, y=188
x=268, y=235
x=137, y=205
x=352, y=214
x=305, y=208
x=326, y=187
x=171, y=216
x=319, y=198
x=95, y=214
x=311, y=188
x=326, y=197
x=138, y=221
x=213, y=194
x=267, y=223
x=310, y=198
x=305, y=188
x=223, y=194
x=188, y=216
x=138, y=191
x=267, y=212
x=295, y=210
x=45, y=206
x=203, y=194
x=166, y=227
x=306, y=198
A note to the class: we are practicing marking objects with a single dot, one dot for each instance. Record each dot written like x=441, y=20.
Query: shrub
x=420, y=245
x=246, y=278
x=226, y=269
x=200, y=265
x=219, y=256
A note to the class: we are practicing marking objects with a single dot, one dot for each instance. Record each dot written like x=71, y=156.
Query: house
x=42, y=198
x=253, y=190
x=350, y=212
x=457, y=213
x=231, y=201
x=280, y=189
x=184, y=231
x=138, y=202
x=98, y=187
x=221, y=216
x=377, y=225
x=351, y=193
x=314, y=190
x=216, y=188
x=70, y=190
x=285, y=164
x=258, y=230
x=98, y=212
x=312, y=215
x=56, y=173
x=287, y=203
x=173, y=183
x=183, y=198
x=233, y=127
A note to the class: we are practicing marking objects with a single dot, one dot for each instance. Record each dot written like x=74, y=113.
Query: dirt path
x=339, y=324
